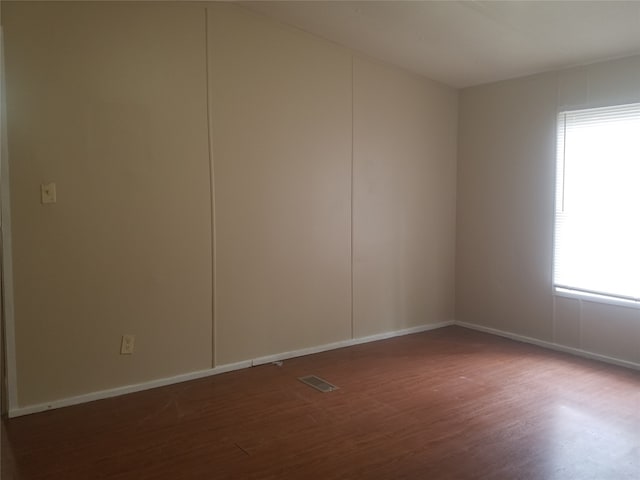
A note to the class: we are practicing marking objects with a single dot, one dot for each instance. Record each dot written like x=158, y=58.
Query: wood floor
x=446, y=404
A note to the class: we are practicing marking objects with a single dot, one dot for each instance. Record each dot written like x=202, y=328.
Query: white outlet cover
x=48, y=193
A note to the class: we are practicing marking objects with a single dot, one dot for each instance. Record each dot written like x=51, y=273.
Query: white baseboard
x=552, y=346
x=347, y=343
x=114, y=392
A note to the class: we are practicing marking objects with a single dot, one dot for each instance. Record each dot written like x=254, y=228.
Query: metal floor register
x=318, y=383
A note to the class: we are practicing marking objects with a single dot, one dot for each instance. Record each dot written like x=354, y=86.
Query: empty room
x=332, y=240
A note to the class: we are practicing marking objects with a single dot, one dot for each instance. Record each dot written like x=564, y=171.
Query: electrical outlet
x=48, y=193
x=126, y=347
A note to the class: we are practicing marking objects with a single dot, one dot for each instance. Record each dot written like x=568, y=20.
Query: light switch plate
x=48, y=193
x=126, y=347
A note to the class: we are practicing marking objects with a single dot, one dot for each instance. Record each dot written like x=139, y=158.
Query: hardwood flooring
x=446, y=404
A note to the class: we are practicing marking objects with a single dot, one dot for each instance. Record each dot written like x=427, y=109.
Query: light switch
x=48, y=193
x=126, y=346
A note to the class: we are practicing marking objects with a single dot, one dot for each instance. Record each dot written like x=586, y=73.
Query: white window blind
x=597, y=224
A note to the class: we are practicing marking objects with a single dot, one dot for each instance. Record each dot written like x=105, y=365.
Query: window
x=597, y=221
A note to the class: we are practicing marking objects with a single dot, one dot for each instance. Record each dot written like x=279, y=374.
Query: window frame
x=565, y=291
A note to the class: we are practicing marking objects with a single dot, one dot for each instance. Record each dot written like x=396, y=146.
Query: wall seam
x=580, y=310
x=352, y=185
x=211, y=190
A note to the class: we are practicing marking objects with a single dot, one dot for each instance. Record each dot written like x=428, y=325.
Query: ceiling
x=465, y=43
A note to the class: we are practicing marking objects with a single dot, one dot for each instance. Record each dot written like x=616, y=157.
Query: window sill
x=595, y=298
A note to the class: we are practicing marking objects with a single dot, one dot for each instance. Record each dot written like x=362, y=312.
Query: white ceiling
x=464, y=43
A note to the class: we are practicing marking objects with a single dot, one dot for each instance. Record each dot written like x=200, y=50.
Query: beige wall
x=281, y=123
x=404, y=199
x=505, y=209
x=110, y=102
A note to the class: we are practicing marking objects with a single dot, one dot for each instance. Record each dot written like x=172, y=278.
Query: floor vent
x=318, y=383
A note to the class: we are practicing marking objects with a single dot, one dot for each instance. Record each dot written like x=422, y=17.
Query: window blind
x=597, y=218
